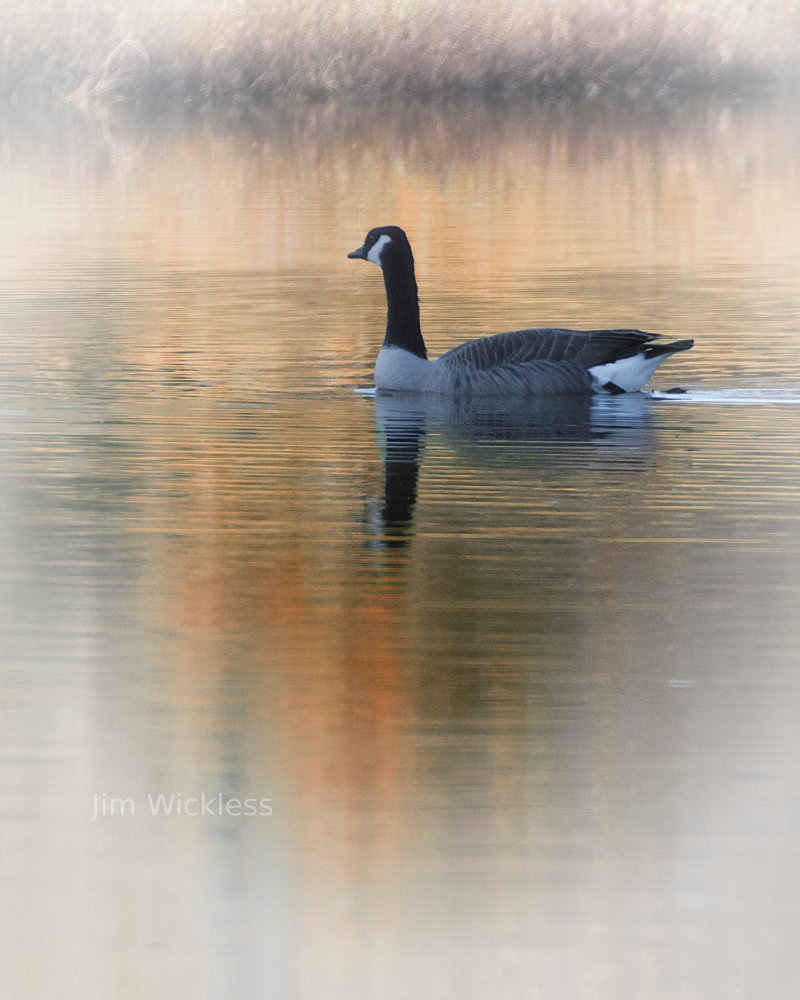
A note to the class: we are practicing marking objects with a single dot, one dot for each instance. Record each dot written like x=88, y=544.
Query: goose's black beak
x=358, y=254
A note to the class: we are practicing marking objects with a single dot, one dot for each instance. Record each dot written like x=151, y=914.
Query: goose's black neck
x=402, y=301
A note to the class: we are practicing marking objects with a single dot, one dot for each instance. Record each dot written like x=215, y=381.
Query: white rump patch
x=628, y=374
x=377, y=248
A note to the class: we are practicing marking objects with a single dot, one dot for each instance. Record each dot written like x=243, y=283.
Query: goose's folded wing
x=520, y=347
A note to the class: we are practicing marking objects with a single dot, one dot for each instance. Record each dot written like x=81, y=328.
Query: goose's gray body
x=520, y=362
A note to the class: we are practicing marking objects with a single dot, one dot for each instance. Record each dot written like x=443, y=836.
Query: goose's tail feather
x=656, y=350
x=631, y=373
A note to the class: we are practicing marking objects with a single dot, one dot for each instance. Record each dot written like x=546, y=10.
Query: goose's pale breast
x=398, y=369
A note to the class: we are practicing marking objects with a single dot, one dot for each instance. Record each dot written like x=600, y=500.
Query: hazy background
x=264, y=50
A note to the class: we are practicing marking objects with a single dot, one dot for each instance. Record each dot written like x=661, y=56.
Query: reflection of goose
x=402, y=429
x=546, y=362
x=496, y=433
x=406, y=419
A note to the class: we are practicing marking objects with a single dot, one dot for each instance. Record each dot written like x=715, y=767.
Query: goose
x=546, y=362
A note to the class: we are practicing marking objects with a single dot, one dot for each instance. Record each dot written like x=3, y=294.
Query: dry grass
x=263, y=50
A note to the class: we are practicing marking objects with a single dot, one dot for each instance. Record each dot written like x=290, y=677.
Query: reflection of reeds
x=267, y=49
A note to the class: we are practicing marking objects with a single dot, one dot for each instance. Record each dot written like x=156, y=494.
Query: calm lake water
x=309, y=694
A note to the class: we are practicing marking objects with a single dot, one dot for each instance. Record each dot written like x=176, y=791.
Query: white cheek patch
x=375, y=251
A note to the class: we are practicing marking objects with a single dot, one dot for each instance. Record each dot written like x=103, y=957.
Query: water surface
x=519, y=683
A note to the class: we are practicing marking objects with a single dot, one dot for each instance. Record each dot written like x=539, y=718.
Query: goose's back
x=547, y=361
x=587, y=347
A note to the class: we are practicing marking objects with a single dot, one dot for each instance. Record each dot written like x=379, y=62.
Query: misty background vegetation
x=262, y=51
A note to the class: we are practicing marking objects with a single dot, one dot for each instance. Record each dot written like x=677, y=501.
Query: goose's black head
x=385, y=245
